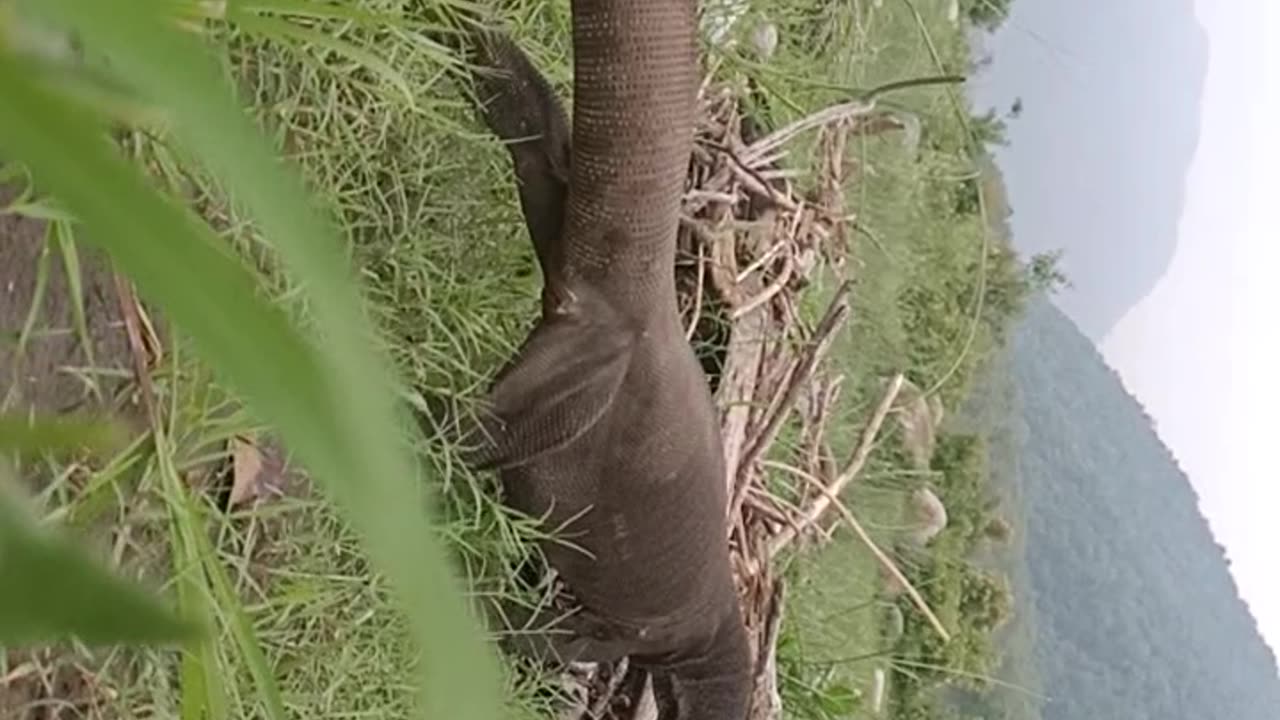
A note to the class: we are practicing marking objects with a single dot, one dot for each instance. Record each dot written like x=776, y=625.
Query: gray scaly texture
x=603, y=422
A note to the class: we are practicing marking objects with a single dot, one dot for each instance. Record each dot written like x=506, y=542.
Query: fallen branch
x=766, y=701
x=831, y=497
x=835, y=316
x=859, y=106
x=889, y=565
x=859, y=458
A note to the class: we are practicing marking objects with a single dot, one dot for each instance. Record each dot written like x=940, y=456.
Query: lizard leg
x=553, y=638
x=562, y=381
x=519, y=106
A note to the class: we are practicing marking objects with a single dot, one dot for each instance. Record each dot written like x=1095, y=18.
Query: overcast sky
x=1202, y=351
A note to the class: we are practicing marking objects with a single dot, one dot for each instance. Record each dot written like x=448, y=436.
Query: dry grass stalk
x=803, y=371
x=888, y=565
x=136, y=331
x=861, y=453
x=766, y=702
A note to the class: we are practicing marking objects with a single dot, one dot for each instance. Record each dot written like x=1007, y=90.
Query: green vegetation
x=1134, y=611
x=939, y=288
x=330, y=400
x=986, y=14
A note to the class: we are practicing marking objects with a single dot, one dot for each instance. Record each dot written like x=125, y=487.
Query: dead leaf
x=246, y=467
x=251, y=474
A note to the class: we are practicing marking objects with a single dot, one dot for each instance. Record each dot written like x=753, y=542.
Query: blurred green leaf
x=334, y=407
x=840, y=700
x=52, y=591
x=21, y=434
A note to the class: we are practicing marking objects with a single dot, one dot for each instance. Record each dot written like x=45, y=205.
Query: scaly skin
x=603, y=422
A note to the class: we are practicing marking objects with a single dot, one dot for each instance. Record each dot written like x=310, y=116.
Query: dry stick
x=815, y=458
x=740, y=374
x=794, y=522
x=831, y=321
x=133, y=325
x=783, y=174
x=766, y=702
x=749, y=178
x=710, y=196
x=822, y=117
x=752, y=171
x=754, y=183
x=619, y=671
x=770, y=505
x=761, y=261
x=888, y=565
x=859, y=458
x=774, y=287
x=722, y=257
x=753, y=156
x=696, y=315
x=831, y=496
x=859, y=106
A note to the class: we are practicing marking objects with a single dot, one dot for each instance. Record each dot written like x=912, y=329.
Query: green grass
x=909, y=239
x=304, y=623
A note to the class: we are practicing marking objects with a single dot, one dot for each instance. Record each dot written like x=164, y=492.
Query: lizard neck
x=635, y=98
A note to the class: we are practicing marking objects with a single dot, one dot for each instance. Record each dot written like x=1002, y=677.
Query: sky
x=1202, y=350
x=1097, y=158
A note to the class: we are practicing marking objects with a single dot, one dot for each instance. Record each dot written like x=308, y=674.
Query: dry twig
x=859, y=458
x=833, y=319
x=135, y=326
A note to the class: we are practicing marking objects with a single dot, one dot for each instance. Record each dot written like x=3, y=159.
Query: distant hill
x=1098, y=157
x=1128, y=608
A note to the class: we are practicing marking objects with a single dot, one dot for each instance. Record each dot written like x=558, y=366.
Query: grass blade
x=71, y=266
x=40, y=210
x=200, y=689
x=37, y=296
x=293, y=33
x=200, y=560
x=314, y=10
